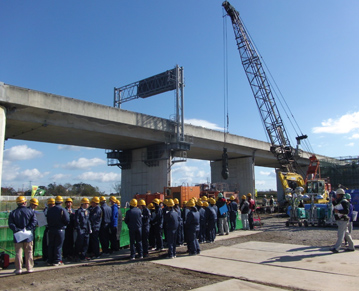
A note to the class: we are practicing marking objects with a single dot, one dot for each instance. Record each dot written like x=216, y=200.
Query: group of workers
x=196, y=222
x=76, y=234
x=69, y=234
x=268, y=203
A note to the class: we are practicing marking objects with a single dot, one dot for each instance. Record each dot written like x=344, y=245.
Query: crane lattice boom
x=264, y=98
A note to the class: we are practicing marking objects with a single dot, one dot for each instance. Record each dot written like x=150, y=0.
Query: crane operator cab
x=318, y=190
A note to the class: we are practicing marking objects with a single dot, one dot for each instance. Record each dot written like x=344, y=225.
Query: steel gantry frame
x=157, y=84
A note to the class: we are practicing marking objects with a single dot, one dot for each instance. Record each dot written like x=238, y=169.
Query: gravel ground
x=143, y=275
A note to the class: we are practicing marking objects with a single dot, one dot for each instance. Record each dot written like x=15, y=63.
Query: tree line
x=67, y=189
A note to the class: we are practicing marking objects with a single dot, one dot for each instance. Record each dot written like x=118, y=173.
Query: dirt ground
x=144, y=275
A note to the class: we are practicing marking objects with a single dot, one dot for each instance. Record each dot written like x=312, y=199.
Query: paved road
x=255, y=265
x=259, y=265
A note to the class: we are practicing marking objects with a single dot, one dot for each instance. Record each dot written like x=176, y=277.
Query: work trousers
x=68, y=249
x=250, y=220
x=56, y=240
x=82, y=244
x=29, y=260
x=105, y=238
x=223, y=225
x=113, y=239
x=95, y=243
x=151, y=237
x=233, y=220
x=145, y=235
x=192, y=242
x=180, y=234
x=245, y=222
x=171, y=242
x=158, y=236
x=211, y=231
x=136, y=242
x=343, y=232
x=202, y=232
x=350, y=227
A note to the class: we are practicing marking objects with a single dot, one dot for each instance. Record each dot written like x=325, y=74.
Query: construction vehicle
x=272, y=121
x=297, y=214
x=317, y=191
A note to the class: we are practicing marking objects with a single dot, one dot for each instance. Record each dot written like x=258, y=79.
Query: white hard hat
x=340, y=191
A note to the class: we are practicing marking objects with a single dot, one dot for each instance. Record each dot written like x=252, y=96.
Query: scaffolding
x=345, y=172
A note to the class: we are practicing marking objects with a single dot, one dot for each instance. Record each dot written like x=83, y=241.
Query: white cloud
x=33, y=174
x=260, y=183
x=354, y=136
x=13, y=173
x=58, y=177
x=264, y=173
x=68, y=148
x=10, y=171
x=343, y=124
x=83, y=163
x=100, y=177
x=268, y=173
x=351, y=144
x=71, y=148
x=190, y=173
x=203, y=123
x=20, y=153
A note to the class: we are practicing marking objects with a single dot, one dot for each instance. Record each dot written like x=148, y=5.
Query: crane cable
x=225, y=170
x=225, y=82
x=280, y=97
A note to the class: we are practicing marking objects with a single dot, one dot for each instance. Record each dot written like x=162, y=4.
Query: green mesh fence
x=7, y=238
x=239, y=224
x=124, y=236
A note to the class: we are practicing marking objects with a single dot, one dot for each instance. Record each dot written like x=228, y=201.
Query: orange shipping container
x=148, y=197
x=182, y=193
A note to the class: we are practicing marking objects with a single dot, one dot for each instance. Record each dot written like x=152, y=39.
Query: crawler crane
x=272, y=121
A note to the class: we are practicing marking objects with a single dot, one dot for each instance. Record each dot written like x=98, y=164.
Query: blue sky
x=83, y=49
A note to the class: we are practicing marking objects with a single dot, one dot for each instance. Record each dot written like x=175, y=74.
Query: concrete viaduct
x=37, y=116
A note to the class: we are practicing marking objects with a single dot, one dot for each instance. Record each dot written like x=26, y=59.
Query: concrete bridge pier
x=147, y=172
x=2, y=139
x=241, y=175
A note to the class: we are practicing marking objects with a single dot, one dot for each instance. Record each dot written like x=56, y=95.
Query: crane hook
x=225, y=171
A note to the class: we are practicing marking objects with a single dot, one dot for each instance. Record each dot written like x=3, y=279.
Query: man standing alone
x=341, y=211
x=22, y=218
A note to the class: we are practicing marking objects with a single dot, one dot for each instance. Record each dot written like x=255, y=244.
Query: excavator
x=297, y=188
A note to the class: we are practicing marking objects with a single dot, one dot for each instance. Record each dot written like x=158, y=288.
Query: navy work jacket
x=57, y=217
x=22, y=218
x=96, y=218
x=171, y=219
x=133, y=218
